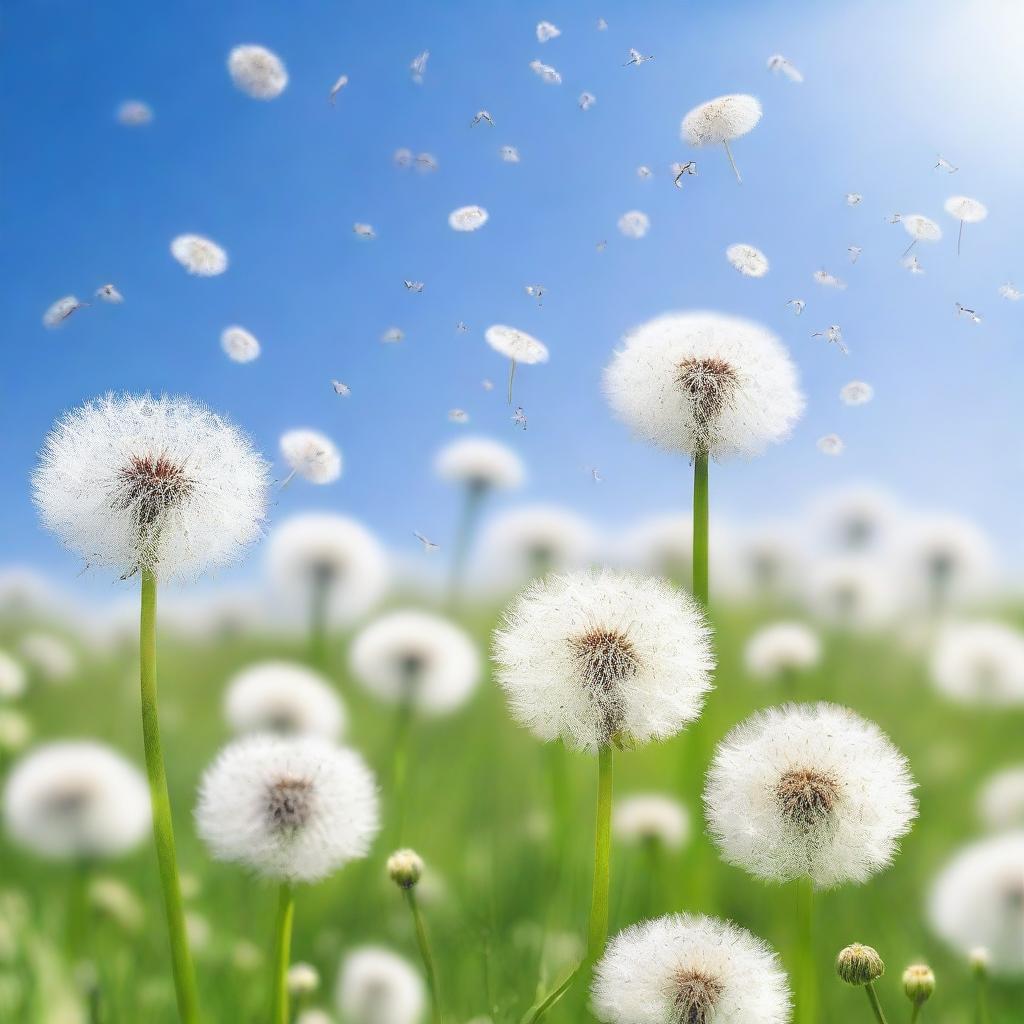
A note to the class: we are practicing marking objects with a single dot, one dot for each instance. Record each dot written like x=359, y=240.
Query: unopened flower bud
x=303, y=979
x=405, y=868
x=859, y=965
x=918, y=983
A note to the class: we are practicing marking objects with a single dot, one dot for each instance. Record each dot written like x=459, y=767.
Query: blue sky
x=888, y=87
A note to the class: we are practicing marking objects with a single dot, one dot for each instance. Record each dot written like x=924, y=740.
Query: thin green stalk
x=915, y=1012
x=163, y=829
x=700, y=528
x=876, y=1006
x=597, y=934
x=282, y=952
x=428, y=959
x=319, y=600
x=77, y=909
x=981, y=1014
x=539, y=1010
x=464, y=542
x=400, y=765
x=807, y=988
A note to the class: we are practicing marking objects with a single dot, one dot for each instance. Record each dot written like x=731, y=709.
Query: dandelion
x=405, y=867
x=651, y=818
x=134, y=113
x=547, y=31
x=1001, y=800
x=861, y=965
x=707, y=386
x=980, y=663
x=634, y=224
x=777, y=63
x=912, y=264
x=943, y=164
x=376, y=985
x=426, y=163
x=854, y=199
x=920, y=228
x=965, y=210
x=302, y=980
x=681, y=170
x=798, y=306
x=782, y=652
x=108, y=293
x=598, y=660
x=459, y=416
x=332, y=567
x=311, y=455
x=365, y=231
x=586, y=100
x=851, y=592
x=534, y=540
x=720, y=121
x=856, y=392
x=643, y=172
x=239, y=345
x=854, y=252
x=517, y=346
x=481, y=116
x=257, y=71
x=970, y=314
x=199, y=255
x=636, y=58
x=856, y=518
x=545, y=72
x=918, y=986
x=13, y=678
x=977, y=900
x=467, y=218
x=690, y=969
x=509, y=154
x=57, y=313
x=48, y=656
x=293, y=810
x=827, y=280
x=283, y=698
x=749, y=261
x=339, y=83
x=831, y=444
x=948, y=560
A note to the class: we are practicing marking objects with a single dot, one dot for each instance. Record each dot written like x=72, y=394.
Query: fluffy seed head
x=136, y=482
x=60, y=310
x=516, y=344
x=311, y=455
x=702, y=382
x=651, y=817
x=467, y=218
x=920, y=227
x=970, y=211
x=782, y=650
x=257, y=71
x=809, y=789
x=134, y=113
x=534, y=539
x=856, y=392
x=689, y=969
x=199, y=255
x=239, y=345
x=859, y=964
x=948, y=560
x=377, y=986
x=634, y=224
x=602, y=657
x=851, y=593
x=721, y=120
x=747, y=259
x=856, y=518
x=980, y=663
x=480, y=464
x=290, y=809
x=918, y=983
x=405, y=868
x=417, y=657
x=76, y=799
x=1001, y=801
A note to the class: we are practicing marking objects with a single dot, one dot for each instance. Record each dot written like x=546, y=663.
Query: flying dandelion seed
x=199, y=255
x=519, y=417
x=402, y=157
x=834, y=336
x=509, y=154
x=546, y=31
x=257, y=72
x=416, y=287
x=782, y=652
x=680, y=170
x=854, y=252
x=376, y=985
x=636, y=58
x=363, y=230
x=586, y=100
x=748, y=260
x=831, y=444
x=418, y=66
x=854, y=199
x=285, y=699
x=108, y=293
x=920, y=228
x=980, y=663
x=634, y=224
x=482, y=116
x=518, y=347
x=239, y=345
x=645, y=818
x=545, y=72
x=428, y=545
x=61, y=310
x=458, y=416
x=895, y=218
x=1001, y=800
x=601, y=246
x=341, y=389
x=798, y=305
x=467, y=218
x=911, y=263
x=426, y=163
x=535, y=291
x=602, y=25
x=943, y=164
x=721, y=121
x=643, y=172
x=1010, y=291
x=533, y=540
x=965, y=210
x=777, y=63
x=134, y=114
x=487, y=384
x=856, y=392
x=462, y=327
x=827, y=280
x=963, y=312
x=339, y=84
x=392, y=336
x=310, y=455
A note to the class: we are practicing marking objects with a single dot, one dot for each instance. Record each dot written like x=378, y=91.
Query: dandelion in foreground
x=783, y=652
x=60, y=310
x=777, y=63
x=689, y=969
x=418, y=66
x=599, y=660
x=856, y=392
x=831, y=444
x=405, y=868
x=257, y=72
x=977, y=900
x=534, y=540
x=517, y=346
x=720, y=121
x=634, y=224
x=710, y=387
x=285, y=699
x=1001, y=800
x=546, y=31
x=467, y=218
x=827, y=280
x=980, y=663
x=310, y=455
x=545, y=72
x=965, y=210
x=586, y=100
x=134, y=113
x=920, y=228
x=199, y=255
x=340, y=82
x=376, y=985
x=748, y=260
x=509, y=154
x=239, y=345
x=861, y=965
x=108, y=293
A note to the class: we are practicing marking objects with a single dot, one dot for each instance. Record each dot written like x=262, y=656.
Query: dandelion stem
x=464, y=542
x=959, y=237
x=807, y=989
x=511, y=377
x=915, y=1012
x=981, y=1015
x=876, y=1006
x=163, y=828
x=77, y=909
x=597, y=934
x=428, y=959
x=282, y=951
x=735, y=169
x=399, y=766
x=318, y=621
x=539, y=1010
x=700, y=528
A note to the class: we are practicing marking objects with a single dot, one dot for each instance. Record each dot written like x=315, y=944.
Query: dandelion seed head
x=651, y=817
x=480, y=464
x=970, y=211
x=467, y=218
x=405, y=868
x=748, y=260
x=545, y=72
x=134, y=113
x=13, y=678
x=311, y=455
x=416, y=657
x=1001, y=800
x=257, y=71
x=980, y=663
x=809, y=790
x=703, y=382
x=782, y=649
x=721, y=120
x=239, y=345
x=634, y=224
x=590, y=657
x=547, y=31
x=534, y=539
x=289, y=809
x=689, y=969
x=60, y=310
x=76, y=799
x=856, y=392
x=376, y=985
x=199, y=255
x=920, y=227
x=851, y=592
x=516, y=344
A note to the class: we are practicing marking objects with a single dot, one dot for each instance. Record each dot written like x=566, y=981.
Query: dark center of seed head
x=807, y=797
x=605, y=658
x=152, y=485
x=696, y=995
x=708, y=382
x=290, y=803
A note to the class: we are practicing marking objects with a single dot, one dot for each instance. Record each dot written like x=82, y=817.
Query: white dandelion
x=798, y=306
x=747, y=259
x=912, y=264
x=856, y=392
x=547, y=31
x=782, y=651
x=459, y=416
x=854, y=198
x=517, y=346
x=134, y=113
x=533, y=540
x=545, y=72
x=586, y=100
x=853, y=593
x=651, y=818
x=777, y=63
x=1001, y=800
x=480, y=464
x=827, y=280
x=239, y=345
x=809, y=790
x=977, y=900
x=339, y=83
x=416, y=659
x=920, y=228
x=831, y=444
x=48, y=656
x=76, y=800
x=13, y=678
x=634, y=224
x=948, y=560
x=689, y=969
x=108, y=293
x=60, y=310
x=980, y=663
x=377, y=986
x=284, y=698
x=467, y=218
x=257, y=72
x=311, y=455
x=965, y=210
x=402, y=157
x=199, y=255
x=643, y=172
x=720, y=121
x=509, y=154
x=856, y=518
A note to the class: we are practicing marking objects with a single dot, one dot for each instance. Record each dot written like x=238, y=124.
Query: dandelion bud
x=918, y=983
x=405, y=868
x=859, y=965
x=303, y=979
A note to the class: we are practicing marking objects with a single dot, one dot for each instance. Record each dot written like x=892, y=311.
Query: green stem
x=319, y=600
x=77, y=909
x=163, y=829
x=981, y=1015
x=807, y=989
x=700, y=529
x=538, y=1011
x=876, y=1006
x=597, y=934
x=464, y=542
x=915, y=1012
x=282, y=951
x=428, y=959
x=400, y=766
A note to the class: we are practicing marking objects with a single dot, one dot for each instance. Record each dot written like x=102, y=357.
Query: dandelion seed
x=376, y=985
x=823, y=277
x=643, y=172
x=341, y=389
x=602, y=25
x=1001, y=800
x=834, y=336
x=467, y=218
x=108, y=293
x=487, y=384
x=61, y=310
x=509, y=154
x=595, y=475
x=969, y=314
x=482, y=115
x=749, y=261
x=257, y=71
x=545, y=72
x=518, y=347
x=458, y=416
x=535, y=291
x=777, y=63
x=911, y=263
x=418, y=66
x=403, y=157
x=943, y=164
x=426, y=162
x=637, y=58
x=339, y=84
x=920, y=228
x=428, y=545
x=134, y=113
x=854, y=199
x=364, y=231
x=634, y=224
x=782, y=652
x=831, y=444
x=1009, y=291
x=416, y=287
x=798, y=305
x=310, y=455
x=965, y=210
x=534, y=540
x=679, y=170
x=651, y=818
x=601, y=246
x=519, y=417
x=895, y=218
x=980, y=663
x=720, y=121
x=239, y=345
x=586, y=100
x=392, y=336
x=199, y=255
x=856, y=392
x=854, y=251
x=546, y=31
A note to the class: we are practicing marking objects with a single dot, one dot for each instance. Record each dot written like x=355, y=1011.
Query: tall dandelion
x=163, y=489
x=292, y=810
x=980, y=663
x=533, y=540
x=377, y=986
x=720, y=121
x=517, y=346
x=783, y=652
x=965, y=210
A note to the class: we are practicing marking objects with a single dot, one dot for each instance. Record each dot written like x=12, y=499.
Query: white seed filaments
x=517, y=346
x=467, y=218
x=199, y=255
x=967, y=211
x=310, y=455
x=257, y=71
x=239, y=345
x=920, y=228
x=747, y=259
x=721, y=120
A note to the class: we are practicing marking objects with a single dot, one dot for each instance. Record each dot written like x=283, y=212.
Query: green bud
x=405, y=868
x=859, y=965
x=918, y=983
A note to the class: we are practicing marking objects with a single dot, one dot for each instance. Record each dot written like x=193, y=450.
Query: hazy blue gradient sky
x=888, y=87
